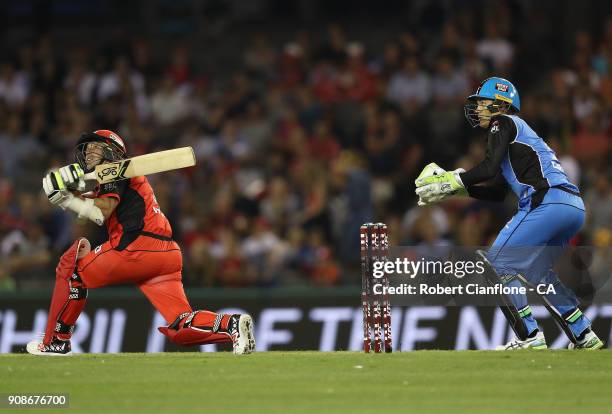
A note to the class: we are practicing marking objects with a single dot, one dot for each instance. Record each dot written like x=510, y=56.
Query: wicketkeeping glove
x=435, y=184
x=55, y=189
x=73, y=177
x=430, y=170
x=430, y=194
x=449, y=182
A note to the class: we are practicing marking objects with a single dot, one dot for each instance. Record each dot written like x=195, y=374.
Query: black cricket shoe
x=57, y=347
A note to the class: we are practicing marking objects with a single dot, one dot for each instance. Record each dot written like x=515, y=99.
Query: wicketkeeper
x=550, y=211
x=140, y=250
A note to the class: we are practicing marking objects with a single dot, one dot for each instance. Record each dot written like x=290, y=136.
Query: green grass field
x=309, y=382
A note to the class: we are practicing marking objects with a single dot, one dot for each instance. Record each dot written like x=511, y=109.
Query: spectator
x=81, y=82
x=591, y=144
x=169, y=103
x=14, y=87
x=494, y=49
x=18, y=150
x=355, y=80
x=322, y=145
x=409, y=87
x=259, y=57
x=390, y=61
x=449, y=82
x=599, y=200
x=568, y=163
x=125, y=82
x=280, y=205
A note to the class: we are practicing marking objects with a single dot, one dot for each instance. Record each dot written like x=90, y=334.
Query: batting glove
x=55, y=189
x=73, y=177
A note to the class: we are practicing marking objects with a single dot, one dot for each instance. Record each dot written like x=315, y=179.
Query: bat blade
x=147, y=164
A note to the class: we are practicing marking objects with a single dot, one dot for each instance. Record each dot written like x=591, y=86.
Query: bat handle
x=90, y=176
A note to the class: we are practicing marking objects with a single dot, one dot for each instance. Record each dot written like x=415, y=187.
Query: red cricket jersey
x=136, y=214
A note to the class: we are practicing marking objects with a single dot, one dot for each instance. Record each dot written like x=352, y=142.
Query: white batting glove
x=55, y=189
x=73, y=177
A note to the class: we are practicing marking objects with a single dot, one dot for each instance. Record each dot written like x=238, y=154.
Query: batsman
x=550, y=212
x=140, y=251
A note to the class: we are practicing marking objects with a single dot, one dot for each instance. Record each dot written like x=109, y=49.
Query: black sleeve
x=113, y=189
x=495, y=191
x=501, y=133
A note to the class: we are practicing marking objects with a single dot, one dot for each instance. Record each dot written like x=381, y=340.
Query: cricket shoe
x=590, y=341
x=241, y=330
x=537, y=342
x=57, y=347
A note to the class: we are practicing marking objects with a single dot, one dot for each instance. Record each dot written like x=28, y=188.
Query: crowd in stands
x=308, y=138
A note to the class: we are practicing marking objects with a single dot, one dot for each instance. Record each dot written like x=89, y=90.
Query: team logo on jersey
x=502, y=87
x=495, y=127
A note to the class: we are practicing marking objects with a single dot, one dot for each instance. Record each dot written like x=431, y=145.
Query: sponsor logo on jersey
x=108, y=187
x=495, y=127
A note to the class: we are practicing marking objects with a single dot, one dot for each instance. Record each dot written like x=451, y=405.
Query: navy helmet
x=499, y=90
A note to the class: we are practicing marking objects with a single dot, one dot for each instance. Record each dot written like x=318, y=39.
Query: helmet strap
x=498, y=107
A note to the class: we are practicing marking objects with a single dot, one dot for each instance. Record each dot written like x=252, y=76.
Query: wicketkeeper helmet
x=499, y=90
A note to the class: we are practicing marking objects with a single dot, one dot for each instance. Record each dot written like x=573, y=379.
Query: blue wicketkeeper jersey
x=530, y=165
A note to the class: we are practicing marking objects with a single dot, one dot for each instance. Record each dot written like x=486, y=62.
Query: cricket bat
x=147, y=164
